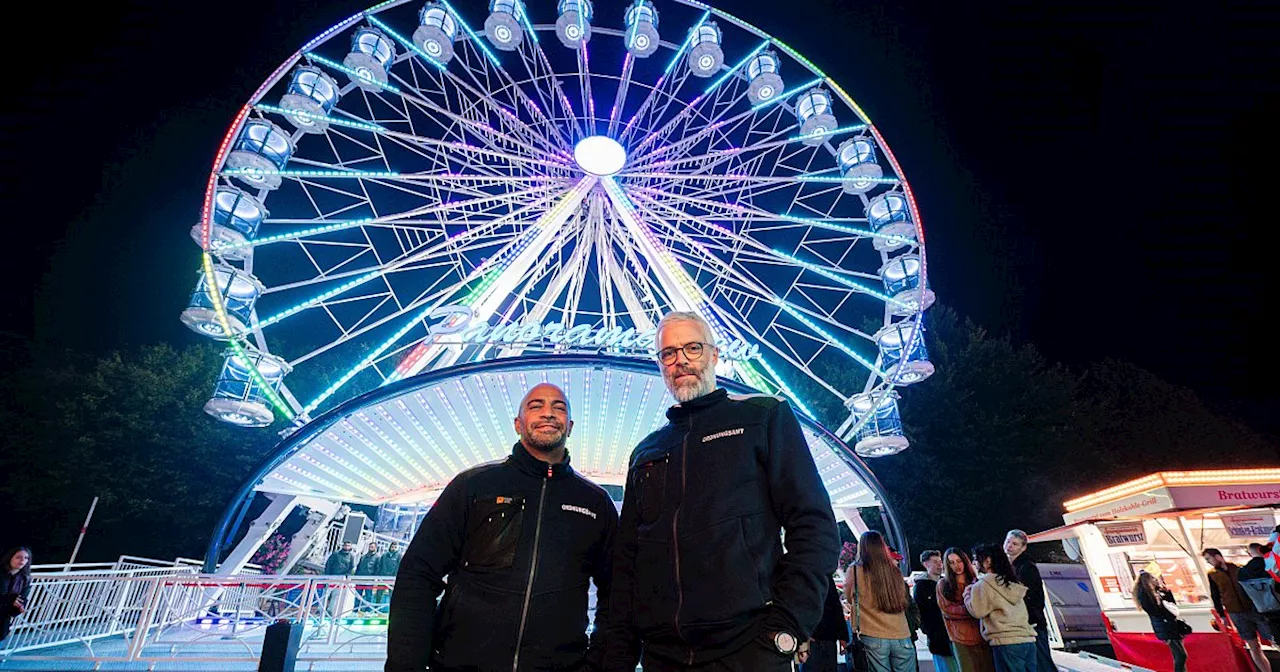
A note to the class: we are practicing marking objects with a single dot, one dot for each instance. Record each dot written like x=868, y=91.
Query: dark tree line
x=1000, y=437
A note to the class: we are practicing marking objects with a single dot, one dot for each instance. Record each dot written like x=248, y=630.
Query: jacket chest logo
x=721, y=435
x=578, y=509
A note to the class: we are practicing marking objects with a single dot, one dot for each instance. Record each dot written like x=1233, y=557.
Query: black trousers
x=754, y=657
x=822, y=657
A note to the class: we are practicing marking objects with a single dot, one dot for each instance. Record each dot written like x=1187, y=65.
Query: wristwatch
x=785, y=642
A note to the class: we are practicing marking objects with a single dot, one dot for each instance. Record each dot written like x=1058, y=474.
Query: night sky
x=1093, y=178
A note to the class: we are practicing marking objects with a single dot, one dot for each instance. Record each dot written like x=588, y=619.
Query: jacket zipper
x=533, y=568
x=675, y=534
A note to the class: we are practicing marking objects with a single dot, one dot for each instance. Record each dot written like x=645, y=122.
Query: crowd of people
x=979, y=613
x=374, y=562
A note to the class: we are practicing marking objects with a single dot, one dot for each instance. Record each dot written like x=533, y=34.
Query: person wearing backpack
x=1262, y=590
x=1230, y=602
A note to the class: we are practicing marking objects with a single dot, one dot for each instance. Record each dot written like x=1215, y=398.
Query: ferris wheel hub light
x=600, y=155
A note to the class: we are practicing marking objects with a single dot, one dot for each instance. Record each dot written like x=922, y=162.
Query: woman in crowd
x=1152, y=597
x=995, y=599
x=878, y=601
x=15, y=584
x=972, y=652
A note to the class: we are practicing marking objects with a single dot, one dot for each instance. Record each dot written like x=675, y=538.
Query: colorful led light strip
x=735, y=68
x=839, y=279
x=475, y=39
x=840, y=179
x=345, y=478
x=368, y=359
x=408, y=44
x=344, y=69
x=421, y=475
x=523, y=15
x=351, y=428
x=334, y=121
x=317, y=299
x=457, y=422
x=388, y=479
x=438, y=474
x=422, y=431
x=824, y=134
x=832, y=339
x=785, y=95
x=358, y=174
x=218, y=246
x=680, y=52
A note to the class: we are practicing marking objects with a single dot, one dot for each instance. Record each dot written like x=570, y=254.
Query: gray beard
x=706, y=385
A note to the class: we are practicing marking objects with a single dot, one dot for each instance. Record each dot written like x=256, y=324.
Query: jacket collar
x=532, y=466
x=681, y=412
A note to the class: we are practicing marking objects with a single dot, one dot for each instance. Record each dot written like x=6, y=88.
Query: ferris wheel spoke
x=756, y=284
x=478, y=46
x=746, y=245
x=714, y=210
x=404, y=220
x=657, y=87
x=518, y=94
x=584, y=85
x=539, y=68
x=359, y=277
x=508, y=116
x=620, y=98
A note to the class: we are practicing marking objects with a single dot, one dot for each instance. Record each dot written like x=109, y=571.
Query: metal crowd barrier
x=159, y=615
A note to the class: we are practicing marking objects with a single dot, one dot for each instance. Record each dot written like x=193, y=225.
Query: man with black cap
x=519, y=541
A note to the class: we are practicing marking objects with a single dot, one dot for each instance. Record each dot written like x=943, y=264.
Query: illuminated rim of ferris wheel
x=416, y=189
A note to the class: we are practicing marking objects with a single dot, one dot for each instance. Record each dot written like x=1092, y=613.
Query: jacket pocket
x=651, y=484
x=493, y=532
x=720, y=551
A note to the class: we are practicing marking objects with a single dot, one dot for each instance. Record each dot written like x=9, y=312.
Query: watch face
x=785, y=642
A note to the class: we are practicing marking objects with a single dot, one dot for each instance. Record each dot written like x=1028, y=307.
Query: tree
x=128, y=428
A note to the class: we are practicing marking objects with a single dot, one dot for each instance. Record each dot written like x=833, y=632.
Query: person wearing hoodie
x=996, y=599
x=972, y=652
x=925, y=595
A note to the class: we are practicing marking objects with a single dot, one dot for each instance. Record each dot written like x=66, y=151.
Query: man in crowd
x=388, y=565
x=1015, y=546
x=1261, y=589
x=1231, y=602
x=520, y=541
x=341, y=562
x=701, y=579
x=368, y=566
x=925, y=595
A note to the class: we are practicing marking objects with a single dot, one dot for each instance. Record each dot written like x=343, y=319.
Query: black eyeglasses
x=692, y=351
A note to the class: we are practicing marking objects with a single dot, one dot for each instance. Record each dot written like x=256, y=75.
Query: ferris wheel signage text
x=459, y=325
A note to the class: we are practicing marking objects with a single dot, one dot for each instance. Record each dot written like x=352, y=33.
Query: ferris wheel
x=421, y=187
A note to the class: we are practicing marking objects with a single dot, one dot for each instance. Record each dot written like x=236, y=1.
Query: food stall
x=1161, y=523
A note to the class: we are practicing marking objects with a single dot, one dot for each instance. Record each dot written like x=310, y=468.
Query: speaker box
x=280, y=647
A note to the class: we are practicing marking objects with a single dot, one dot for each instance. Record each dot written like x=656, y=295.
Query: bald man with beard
x=519, y=541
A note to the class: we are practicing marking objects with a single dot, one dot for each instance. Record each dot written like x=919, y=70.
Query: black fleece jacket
x=699, y=567
x=518, y=540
